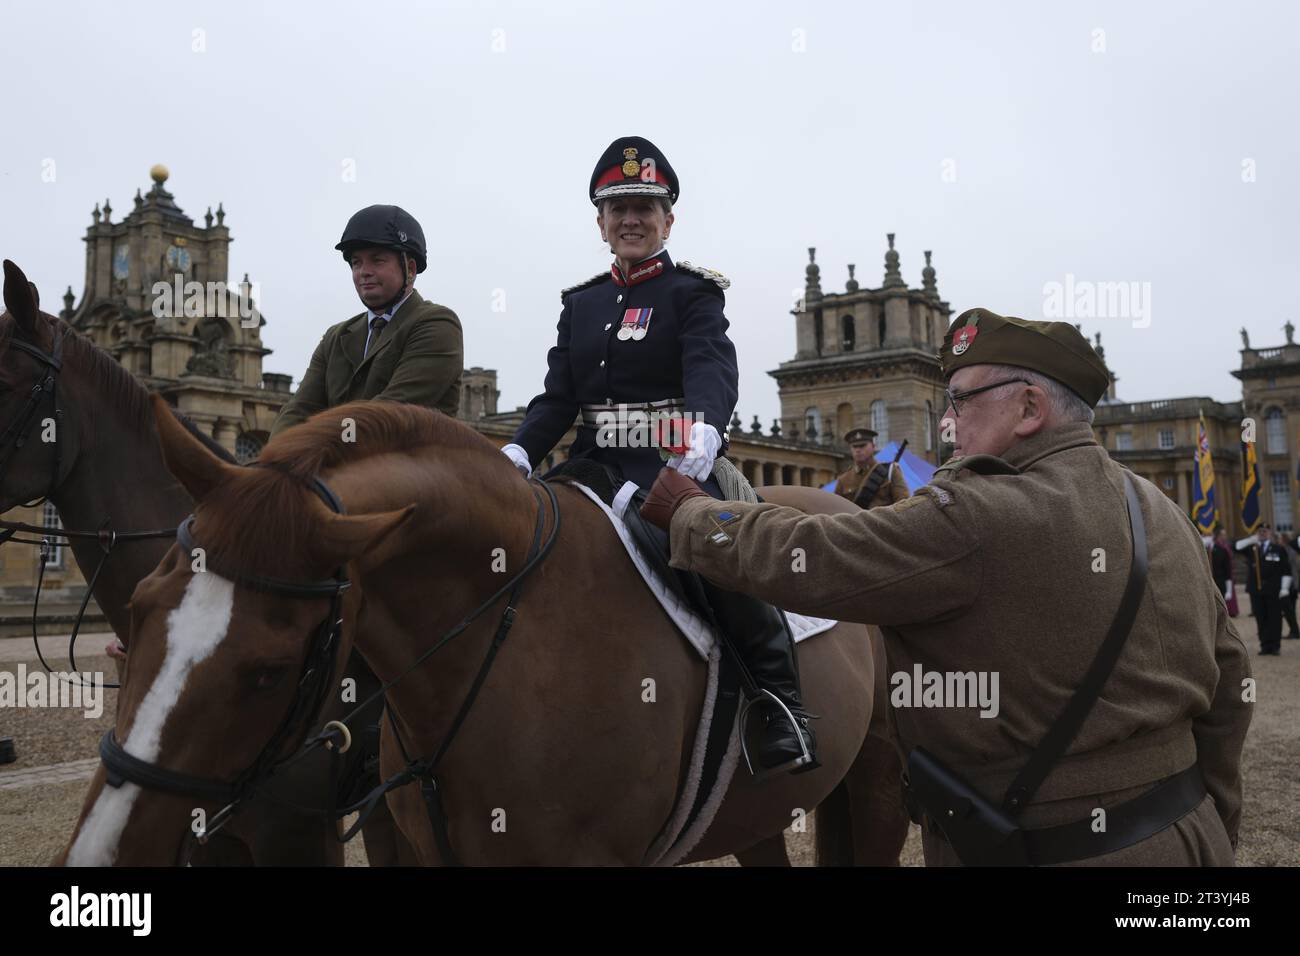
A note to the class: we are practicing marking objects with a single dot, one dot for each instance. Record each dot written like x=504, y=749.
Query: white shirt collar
x=371, y=315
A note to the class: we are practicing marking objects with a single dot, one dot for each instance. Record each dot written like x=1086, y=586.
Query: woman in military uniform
x=648, y=339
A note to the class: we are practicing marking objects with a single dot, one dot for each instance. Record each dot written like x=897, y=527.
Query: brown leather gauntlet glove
x=670, y=489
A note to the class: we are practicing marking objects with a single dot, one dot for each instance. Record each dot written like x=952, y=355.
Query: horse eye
x=265, y=679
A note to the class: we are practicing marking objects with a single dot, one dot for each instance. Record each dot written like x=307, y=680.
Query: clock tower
x=157, y=299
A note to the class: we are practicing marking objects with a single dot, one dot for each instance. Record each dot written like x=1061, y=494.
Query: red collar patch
x=640, y=272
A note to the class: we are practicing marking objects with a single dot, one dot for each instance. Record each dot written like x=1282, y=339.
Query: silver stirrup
x=764, y=772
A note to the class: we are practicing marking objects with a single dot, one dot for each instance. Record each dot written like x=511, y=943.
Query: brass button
x=608, y=326
x=620, y=297
x=602, y=363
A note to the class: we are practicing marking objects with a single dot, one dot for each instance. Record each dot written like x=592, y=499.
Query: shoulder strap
x=867, y=493
x=1062, y=733
x=594, y=280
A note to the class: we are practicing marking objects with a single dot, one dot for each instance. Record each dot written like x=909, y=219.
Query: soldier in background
x=869, y=483
x=1268, y=580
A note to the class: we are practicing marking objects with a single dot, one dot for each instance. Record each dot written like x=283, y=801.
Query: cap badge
x=965, y=336
x=631, y=167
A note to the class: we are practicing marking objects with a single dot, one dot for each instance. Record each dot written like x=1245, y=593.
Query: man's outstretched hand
x=670, y=489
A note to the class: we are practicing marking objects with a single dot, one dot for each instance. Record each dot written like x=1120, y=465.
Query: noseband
x=309, y=696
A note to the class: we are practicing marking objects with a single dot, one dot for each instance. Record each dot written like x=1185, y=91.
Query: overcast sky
x=1153, y=144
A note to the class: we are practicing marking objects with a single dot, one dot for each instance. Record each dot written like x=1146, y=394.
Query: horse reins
x=313, y=686
x=309, y=695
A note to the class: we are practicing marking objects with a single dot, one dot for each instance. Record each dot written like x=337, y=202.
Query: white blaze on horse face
x=194, y=630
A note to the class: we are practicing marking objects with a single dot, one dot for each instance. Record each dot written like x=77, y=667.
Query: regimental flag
x=1204, y=513
x=1250, y=516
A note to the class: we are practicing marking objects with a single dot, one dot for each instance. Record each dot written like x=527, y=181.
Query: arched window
x=247, y=447
x=847, y=334
x=929, y=423
x=812, y=424
x=1275, y=429
x=880, y=422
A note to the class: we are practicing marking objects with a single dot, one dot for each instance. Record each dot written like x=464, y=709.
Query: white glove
x=697, y=463
x=517, y=455
x=1286, y=586
x=1227, y=592
x=1246, y=542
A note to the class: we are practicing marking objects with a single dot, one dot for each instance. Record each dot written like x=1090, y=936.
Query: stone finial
x=108, y=212
x=68, y=300
x=893, y=278
x=776, y=428
x=737, y=427
x=928, y=284
x=139, y=200
x=1289, y=329
x=221, y=215
x=852, y=284
x=94, y=216
x=1245, y=338
x=159, y=173
x=812, y=289
x=207, y=218
x=756, y=427
x=1101, y=353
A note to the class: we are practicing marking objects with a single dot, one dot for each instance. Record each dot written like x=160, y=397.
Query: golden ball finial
x=159, y=174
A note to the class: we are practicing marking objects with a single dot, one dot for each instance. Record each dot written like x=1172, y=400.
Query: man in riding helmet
x=402, y=348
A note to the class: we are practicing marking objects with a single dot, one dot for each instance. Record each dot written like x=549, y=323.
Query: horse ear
x=341, y=538
x=21, y=299
x=194, y=466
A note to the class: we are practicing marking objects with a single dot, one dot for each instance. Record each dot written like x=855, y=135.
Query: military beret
x=860, y=435
x=633, y=166
x=1055, y=349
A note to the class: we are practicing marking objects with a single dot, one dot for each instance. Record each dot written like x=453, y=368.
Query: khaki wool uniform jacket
x=417, y=358
x=891, y=490
x=995, y=566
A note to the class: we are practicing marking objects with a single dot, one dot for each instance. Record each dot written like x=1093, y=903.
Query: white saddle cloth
x=693, y=627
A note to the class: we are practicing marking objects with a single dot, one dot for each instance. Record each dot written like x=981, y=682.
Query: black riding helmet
x=391, y=227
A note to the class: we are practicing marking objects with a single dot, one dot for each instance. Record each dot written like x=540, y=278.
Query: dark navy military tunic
x=685, y=353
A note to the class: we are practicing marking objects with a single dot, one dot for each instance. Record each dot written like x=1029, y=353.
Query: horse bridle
x=15, y=436
x=309, y=695
x=121, y=767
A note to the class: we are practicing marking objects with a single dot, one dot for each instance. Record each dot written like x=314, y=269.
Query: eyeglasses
x=955, y=397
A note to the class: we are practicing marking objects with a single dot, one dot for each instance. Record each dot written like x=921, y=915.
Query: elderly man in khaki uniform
x=869, y=483
x=402, y=348
x=1011, y=566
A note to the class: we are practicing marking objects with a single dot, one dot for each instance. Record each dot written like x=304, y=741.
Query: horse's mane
x=114, y=384
x=272, y=534
x=380, y=428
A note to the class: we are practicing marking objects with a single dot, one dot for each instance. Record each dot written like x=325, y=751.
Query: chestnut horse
x=561, y=759
x=110, y=469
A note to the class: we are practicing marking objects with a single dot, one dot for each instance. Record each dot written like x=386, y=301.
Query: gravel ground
x=36, y=821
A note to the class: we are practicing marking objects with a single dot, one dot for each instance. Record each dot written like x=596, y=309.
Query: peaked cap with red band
x=633, y=166
x=1055, y=349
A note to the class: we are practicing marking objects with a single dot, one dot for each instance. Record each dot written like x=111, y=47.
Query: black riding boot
x=760, y=635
